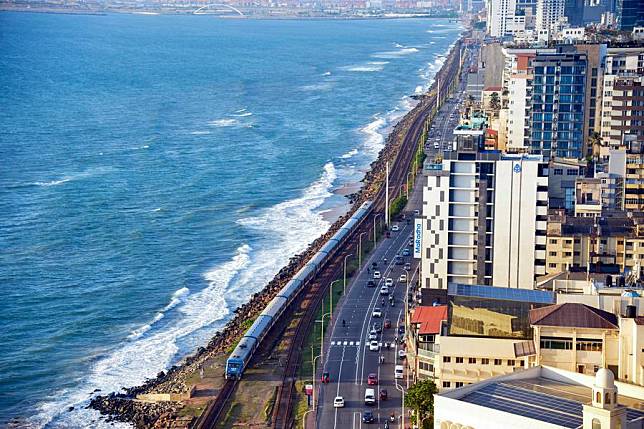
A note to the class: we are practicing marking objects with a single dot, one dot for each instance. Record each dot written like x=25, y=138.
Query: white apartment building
x=517, y=73
x=473, y=234
x=502, y=18
x=549, y=13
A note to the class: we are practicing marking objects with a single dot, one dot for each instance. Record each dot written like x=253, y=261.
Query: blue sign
x=517, y=168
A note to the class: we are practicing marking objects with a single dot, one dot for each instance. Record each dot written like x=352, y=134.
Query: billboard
x=418, y=238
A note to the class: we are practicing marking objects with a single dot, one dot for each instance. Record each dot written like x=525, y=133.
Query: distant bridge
x=227, y=6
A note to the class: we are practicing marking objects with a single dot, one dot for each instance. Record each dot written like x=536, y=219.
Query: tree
x=495, y=101
x=420, y=398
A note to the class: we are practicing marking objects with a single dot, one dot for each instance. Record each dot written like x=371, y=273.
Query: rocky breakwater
x=123, y=406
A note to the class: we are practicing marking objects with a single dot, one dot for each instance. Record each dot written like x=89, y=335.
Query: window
x=571, y=172
x=472, y=360
x=497, y=361
x=558, y=171
x=485, y=361
x=447, y=384
x=597, y=424
x=589, y=345
x=446, y=359
x=459, y=360
x=459, y=384
x=556, y=343
x=511, y=362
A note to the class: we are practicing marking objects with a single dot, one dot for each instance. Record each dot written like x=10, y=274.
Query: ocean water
x=155, y=171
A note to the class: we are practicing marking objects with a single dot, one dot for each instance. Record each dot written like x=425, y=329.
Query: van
x=370, y=396
x=398, y=371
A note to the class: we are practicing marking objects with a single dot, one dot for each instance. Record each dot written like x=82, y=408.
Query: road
x=347, y=358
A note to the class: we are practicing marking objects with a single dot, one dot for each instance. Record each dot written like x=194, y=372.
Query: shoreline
x=121, y=407
x=148, y=12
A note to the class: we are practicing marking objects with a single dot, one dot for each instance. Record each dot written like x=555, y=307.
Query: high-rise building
x=623, y=110
x=503, y=18
x=557, y=104
x=518, y=83
x=549, y=13
x=464, y=216
x=630, y=14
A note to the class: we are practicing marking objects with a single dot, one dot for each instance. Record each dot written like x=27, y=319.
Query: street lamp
x=313, y=375
x=331, y=297
x=375, y=237
x=408, y=185
x=304, y=418
x=322, y=336
x=360, y=249
x=345, y=273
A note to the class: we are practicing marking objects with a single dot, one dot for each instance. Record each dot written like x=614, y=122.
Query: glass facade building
x=557, y=103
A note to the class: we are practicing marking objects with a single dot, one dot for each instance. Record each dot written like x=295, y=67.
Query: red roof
x=493, y=88
x=573, y=315
x=429, y=318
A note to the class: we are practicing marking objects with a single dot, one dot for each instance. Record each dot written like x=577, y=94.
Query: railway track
x=307, y=304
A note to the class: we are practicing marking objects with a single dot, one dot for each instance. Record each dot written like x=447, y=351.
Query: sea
x=156, y=171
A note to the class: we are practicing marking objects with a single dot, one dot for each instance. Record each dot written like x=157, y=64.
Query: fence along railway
x=310, y=284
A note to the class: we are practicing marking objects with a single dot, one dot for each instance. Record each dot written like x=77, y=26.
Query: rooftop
x=429, y=318
x=573, y=315
x=501, y=293
x=539, y=394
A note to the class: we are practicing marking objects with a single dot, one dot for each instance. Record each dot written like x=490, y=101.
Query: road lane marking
x=337, y=392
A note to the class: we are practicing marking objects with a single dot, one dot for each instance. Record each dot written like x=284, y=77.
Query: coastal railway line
x=316, y=286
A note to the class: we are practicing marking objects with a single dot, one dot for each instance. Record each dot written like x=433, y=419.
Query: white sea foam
x=240, y=110
x=227, y=122
x=349, y=154
x=243, y=114
x=371, y=66
x=395, y=54
x=326, y=73
x=74, y=176
x=200, y=133
x=174, y=301
x=132, y=362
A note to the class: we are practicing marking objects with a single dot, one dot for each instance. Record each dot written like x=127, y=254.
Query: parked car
x=416, y=212
x=373, y=335
x=325, y=377
x=377, y=327
x=338, y=402
x=377, y=313
x=399, y=371
x=387, y=324
x=389, y=282
x=401, y=329
x=376, y=275
x=406, y=252
x=372, y=379
x=395, y=227
x=407, y=266
x=402, y=354
x=374, y=346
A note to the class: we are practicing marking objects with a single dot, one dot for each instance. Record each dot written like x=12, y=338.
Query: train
x=243, y=352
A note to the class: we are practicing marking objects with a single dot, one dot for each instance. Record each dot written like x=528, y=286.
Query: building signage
x=418, y=238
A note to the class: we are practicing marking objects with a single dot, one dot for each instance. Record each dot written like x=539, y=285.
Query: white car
x=403, y=278
x=376, y=312
x=402, y=354
x=373, y=335
x=389, y=282
x=394, y=227
x=374, y=346
x=384, y=290
x=376, y=275
x=338, y=402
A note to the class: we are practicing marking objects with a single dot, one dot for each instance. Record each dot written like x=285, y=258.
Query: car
x=374, y=346
x=437, y=145
x=383, y=394
x=410, y=243
x=402, y=354
x=389, y=282
x=338, y=402
x=405, y=252
x=387, y=324
x=407, y=266
x=395, y=227
x=376, y=312
x=367, y=417
x=384, y=290
x=376, y=275
x=399, y=371
x=374, y=264
x=377, y=327
x=325, y=377
x=372, y=379
x=403, y=278
x=371, y=283
x=373, y=335
x=417, y=212
x=401, y=329
x=399, y=260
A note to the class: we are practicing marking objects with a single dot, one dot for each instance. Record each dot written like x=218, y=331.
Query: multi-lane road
x=347, y=357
